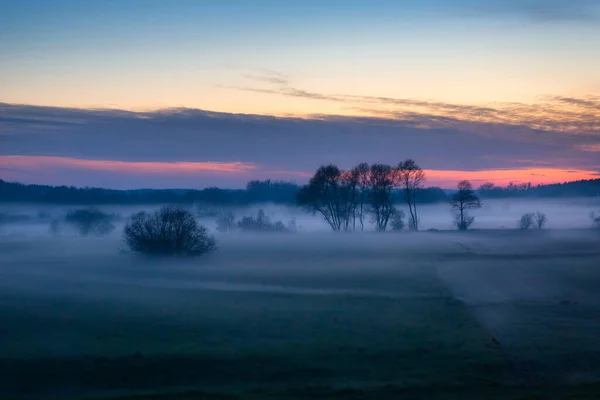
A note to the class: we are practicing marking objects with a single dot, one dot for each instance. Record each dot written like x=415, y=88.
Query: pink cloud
x=138, y=167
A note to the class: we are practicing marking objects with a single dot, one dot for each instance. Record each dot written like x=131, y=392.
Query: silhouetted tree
x=397, y=221
x=169, y=231
x=381, y=181
x=226, y=221
x=411, y=179
x=489, y=189
x=463, y=200
x=329, y=194
x=360, y=174
x=260, y=223
x=90, y=221
x=527, y=221
x=540, y=219
x=487, y=186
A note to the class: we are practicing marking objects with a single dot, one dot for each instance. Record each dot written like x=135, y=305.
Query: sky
x=197, y=93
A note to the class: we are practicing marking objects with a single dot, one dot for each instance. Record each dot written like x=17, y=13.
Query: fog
x=364, y=307
x=571, y=213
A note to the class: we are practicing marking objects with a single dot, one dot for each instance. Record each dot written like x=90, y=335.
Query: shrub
x=90, y=221
x=169, y=231
x=261, y=223
x=397, y=221
x=527, y=221
x=464, y=223
x=540, y=219
x=226, y=221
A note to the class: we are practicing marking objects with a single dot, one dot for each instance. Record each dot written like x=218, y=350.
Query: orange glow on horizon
x=440, y=178
x=503, y=177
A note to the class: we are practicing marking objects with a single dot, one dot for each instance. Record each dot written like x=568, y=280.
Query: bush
x=397, y=222
x=527, y=221
x=540, y=219
x=463, y=224
x=90, y=221
x=226, y=221
x=261, y=223
x=169, y=231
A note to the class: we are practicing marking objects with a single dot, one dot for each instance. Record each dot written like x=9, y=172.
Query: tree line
x=346, y=198
x=266, y=191
x=255, y=192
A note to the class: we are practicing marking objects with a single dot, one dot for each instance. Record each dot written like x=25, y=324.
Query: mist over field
x=85, y=316
x=563, y=213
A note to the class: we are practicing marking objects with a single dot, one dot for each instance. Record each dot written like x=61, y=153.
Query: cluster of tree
x=256, y=192
x=531, y=220
x=254, y=223
x=346, y=198
x=583, y=188
x=87, y=221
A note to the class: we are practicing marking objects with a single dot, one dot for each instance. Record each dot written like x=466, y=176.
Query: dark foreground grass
x=363, y=320
x=286, y=341
x=430, y=392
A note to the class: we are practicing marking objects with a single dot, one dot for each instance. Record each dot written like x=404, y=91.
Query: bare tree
x=226, y=221
x=381, y=182
x=540, y=219
x=90, y=221
x=397, y=221
x=330, y=193
x=463, y=200
x=411, y=178
x=360, y=174
x=527, y=221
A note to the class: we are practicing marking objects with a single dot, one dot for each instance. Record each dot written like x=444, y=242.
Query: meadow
x=316, y=315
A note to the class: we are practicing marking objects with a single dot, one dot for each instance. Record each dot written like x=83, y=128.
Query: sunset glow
x=48, y=170
x=496, y=90
x=166, y=168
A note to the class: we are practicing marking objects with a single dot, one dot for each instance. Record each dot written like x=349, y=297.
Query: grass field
x=428, y=315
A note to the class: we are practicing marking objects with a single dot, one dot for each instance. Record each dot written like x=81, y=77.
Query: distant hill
x=257, y=192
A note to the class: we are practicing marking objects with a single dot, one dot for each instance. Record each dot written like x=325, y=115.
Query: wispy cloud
x=139, y=167
x=552, y=113
x=191, y=147
x=269, y=76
